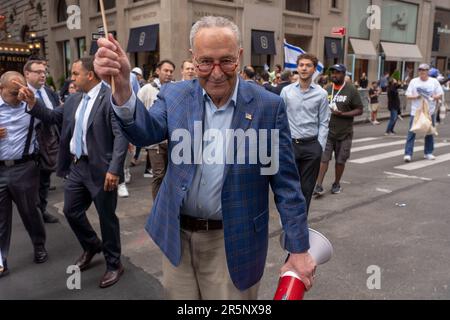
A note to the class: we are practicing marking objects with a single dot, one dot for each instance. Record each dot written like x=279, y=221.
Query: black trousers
x=19, y=184
x=44, y=185
x=79, y=193
x=308, y=155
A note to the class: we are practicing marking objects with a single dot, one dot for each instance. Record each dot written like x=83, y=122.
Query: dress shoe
x=111, y=277
x=86, y=258
x=48, y=218
x=51, y=188
x=4, y=271
x=40, y=255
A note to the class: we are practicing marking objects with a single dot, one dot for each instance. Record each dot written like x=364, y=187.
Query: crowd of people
x=209, y=220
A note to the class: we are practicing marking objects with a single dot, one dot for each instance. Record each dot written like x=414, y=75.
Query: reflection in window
x=61, y=14
x=298, y=5
x=109, y=4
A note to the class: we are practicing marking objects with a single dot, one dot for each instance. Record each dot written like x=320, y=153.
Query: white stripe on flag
x=291, y=54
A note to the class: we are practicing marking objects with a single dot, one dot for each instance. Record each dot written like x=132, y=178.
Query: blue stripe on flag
x=290, y=65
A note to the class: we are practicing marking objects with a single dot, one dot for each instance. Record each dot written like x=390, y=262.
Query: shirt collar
x=93, y=93
x=233, y=98
x=34, y=89
x=311, y=86
x=3, y=103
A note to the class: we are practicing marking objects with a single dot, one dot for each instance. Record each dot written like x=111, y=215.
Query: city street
x=390, y=215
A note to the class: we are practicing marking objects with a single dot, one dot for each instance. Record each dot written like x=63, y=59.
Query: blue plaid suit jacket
x=245, y=193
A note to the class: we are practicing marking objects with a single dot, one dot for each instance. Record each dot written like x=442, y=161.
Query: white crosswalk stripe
x=375, y=149
x=378, y=146
x=424, y=163
x=365, y=140
x=393, y=154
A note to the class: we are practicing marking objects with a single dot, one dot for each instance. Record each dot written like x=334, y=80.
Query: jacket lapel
x=196, y=111
x=77, y=102
x=243, y=115
x=96, y=106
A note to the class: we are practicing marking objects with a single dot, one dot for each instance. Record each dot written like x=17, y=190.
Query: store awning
x=263, y=42
x=143, y=39
x=363, y=49
x=333, y=48
x=401, y=52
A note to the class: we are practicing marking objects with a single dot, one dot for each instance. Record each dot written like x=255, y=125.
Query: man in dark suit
x=35, y=72
x=211, y=219
x=285, y=81
x=91, y=157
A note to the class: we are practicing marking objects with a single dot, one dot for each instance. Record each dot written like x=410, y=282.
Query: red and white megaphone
x=290, y=287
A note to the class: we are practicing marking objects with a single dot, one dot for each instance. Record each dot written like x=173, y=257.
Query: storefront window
x=399, y=21
x=358, y=19
x=81, y=46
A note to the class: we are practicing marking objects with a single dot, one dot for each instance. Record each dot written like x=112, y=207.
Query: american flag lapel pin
x=248, y=116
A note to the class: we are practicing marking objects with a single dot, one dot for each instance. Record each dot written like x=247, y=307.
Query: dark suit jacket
x=277, y=90
x=107, y=147
x=48, y=137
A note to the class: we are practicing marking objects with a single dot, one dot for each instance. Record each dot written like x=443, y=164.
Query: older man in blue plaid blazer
x=211, y=219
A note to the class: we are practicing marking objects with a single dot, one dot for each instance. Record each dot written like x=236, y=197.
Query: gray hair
x=214, y=22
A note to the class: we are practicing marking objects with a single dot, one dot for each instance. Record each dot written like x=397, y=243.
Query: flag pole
x=105, y=27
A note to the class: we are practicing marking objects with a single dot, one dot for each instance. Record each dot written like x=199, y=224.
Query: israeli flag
x=291, y=54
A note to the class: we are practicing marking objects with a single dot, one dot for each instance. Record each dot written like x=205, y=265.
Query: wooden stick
x=105, y=27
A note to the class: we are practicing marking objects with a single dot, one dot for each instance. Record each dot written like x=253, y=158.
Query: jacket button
x=183, y=188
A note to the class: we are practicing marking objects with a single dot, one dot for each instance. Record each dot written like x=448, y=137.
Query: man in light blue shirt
x=309, y=115
x=19, y=172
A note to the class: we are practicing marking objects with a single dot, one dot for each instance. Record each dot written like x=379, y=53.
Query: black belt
x=310, y=139
x=82, y=158
x=11, y=163
x=197, y=224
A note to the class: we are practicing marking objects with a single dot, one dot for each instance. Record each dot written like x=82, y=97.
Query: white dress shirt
x=93, y=96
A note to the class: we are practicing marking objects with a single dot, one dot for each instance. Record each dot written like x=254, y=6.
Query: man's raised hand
x=112, y=61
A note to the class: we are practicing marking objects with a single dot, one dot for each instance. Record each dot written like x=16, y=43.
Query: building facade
x=154, y=29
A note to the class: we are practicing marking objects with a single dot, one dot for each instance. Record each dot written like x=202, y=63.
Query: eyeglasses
x=207, y=66
x=39, y=72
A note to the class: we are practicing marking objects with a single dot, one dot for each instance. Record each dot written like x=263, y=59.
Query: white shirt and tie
x=85, y=106
x=42, y=94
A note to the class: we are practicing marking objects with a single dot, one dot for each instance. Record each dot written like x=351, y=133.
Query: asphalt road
x=393, y=219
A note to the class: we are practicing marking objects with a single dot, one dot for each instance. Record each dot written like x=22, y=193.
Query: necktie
x=40, y=95
x=79, y=128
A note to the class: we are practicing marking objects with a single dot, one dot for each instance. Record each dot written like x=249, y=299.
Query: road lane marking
x=384, y=190
x=399, y=175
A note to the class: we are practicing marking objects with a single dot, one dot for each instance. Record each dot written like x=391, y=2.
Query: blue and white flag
x=291, y=54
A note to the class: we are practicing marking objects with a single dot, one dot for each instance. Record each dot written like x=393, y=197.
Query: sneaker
x=336, y=188
x=429, y=157
x=123, y=191
x=148, y=173
x=407, y=158
x=318, y=191
x=376, y=122
x=127, y=176
x=387, y=133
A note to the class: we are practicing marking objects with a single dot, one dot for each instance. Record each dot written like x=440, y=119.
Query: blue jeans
x=429, y=140
x=392, y=121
